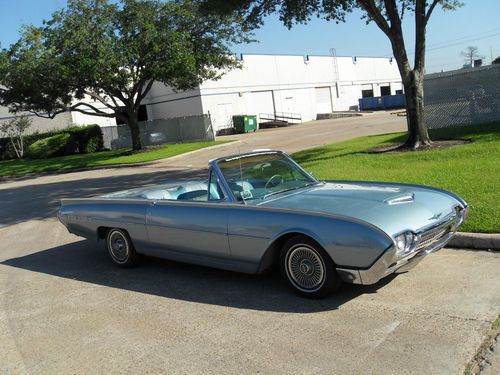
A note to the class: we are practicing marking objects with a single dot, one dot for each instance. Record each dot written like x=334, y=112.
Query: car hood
x=390, y=207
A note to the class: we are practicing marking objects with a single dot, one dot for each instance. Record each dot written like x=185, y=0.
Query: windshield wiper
x=290, y=189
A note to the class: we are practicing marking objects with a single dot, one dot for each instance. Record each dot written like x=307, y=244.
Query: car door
x=194, y=228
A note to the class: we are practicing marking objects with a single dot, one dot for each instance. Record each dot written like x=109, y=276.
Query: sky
x=448, y=33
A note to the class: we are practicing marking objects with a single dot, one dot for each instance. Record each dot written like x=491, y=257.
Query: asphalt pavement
x=64, y=308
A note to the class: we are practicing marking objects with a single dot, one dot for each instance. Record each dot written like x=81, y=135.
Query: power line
x=457, y=41
x=465, y=37
x=462, y=42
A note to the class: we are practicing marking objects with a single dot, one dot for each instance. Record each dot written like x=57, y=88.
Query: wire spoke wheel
x=305, y=268
x=118, y=246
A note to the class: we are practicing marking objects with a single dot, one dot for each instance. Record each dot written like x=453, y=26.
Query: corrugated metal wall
x=155, y=132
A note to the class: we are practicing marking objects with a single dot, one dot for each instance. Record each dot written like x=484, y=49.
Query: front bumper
x=388, y=263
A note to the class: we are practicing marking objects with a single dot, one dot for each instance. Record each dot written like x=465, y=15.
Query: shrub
x=5, y=149
x=84, y=139
x=15, y=130
x=87, y=138
x=56, y=145
x=93, y=144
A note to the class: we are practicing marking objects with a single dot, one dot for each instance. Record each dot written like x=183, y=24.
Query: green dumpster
x=245, y=124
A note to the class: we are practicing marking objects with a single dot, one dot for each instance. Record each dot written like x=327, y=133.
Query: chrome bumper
x=388, y=264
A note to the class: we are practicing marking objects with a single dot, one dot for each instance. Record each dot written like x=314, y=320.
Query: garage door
x=323, y=100
x=224, y=116
x=261, y=102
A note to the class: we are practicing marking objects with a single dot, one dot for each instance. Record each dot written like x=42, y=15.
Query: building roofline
x=307, y=55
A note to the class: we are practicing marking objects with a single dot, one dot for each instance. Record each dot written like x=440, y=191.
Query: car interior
x=188, y=191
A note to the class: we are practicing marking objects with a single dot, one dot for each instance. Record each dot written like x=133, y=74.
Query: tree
x=470, y=54
x=387, y=15
x=101, y=58
x=15, y=129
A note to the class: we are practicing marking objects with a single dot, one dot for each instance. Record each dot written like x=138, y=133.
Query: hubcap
x=118, y=246
x=305, y=268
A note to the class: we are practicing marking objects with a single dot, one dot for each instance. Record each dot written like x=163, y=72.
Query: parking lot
x=66, y=309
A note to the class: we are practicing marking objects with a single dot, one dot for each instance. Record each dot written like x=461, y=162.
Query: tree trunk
x=414, y=91
x=134, y=129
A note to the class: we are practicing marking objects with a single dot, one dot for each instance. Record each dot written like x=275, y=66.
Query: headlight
x=404, y=243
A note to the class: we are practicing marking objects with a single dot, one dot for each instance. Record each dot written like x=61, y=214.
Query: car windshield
x=259, y=176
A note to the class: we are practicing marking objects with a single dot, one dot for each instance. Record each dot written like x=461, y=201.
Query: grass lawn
x=471, y=170
x=20, y=167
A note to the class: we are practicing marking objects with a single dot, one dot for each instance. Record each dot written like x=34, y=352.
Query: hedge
x=83, y=139
x=57, y=145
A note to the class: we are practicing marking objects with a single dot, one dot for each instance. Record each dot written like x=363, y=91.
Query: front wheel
x=120, y=248
x=307, y=268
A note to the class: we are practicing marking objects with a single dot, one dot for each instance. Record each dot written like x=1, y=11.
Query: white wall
x=163, y=102
x=83, y=119
x=269, y=83
x=38, y=124
x=294, y=82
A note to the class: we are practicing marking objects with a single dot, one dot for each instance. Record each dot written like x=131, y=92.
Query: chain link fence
x=160, y=131
x=462, y=97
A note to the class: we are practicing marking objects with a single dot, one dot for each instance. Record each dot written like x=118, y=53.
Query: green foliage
x=112, y=52
x=55, y=145
x=387, y=15
x=93, y=145
x=84, y=139
x=292, y=11
x=14, y=129
x=87, y=138
x=469, y=170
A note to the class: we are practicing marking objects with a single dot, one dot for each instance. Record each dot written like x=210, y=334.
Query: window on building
x=399, y=92
x=385, y=90
x=142, y=115
x=367, y=93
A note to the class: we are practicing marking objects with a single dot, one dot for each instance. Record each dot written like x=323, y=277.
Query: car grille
x=433, y=235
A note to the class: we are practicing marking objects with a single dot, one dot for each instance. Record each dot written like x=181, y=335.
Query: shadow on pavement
x=88, y=262
x=38, y=202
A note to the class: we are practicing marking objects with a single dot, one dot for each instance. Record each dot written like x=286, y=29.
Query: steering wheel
x=272, y=180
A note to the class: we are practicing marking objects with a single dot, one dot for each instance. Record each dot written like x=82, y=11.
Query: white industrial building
x=274, y=84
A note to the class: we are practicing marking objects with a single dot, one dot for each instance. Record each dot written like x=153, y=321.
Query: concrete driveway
x=64, y=308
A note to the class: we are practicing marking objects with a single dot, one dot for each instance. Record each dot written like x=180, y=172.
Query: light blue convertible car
x=261, y=209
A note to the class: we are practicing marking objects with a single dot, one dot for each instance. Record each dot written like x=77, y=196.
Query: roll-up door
x=323, y=100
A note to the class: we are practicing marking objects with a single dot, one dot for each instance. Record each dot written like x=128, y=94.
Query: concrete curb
x=476, y=241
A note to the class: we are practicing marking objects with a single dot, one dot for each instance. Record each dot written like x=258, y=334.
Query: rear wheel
x=120, y=248
x=307, y=268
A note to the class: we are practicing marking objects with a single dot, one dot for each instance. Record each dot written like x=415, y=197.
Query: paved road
x=65, y=309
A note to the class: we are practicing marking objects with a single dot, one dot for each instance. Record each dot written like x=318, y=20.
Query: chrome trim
x=304, y=268
x=228, y=194
x=434, y=232
x=388, y=262
x=349, y=276
x=214, y=165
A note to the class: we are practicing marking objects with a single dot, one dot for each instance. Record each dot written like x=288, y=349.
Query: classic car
x=260, y=209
